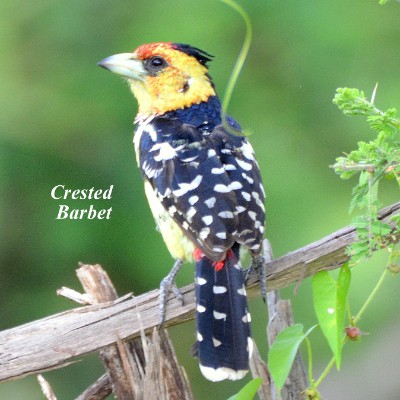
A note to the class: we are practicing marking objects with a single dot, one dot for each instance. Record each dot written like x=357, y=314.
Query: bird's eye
x=155, y=64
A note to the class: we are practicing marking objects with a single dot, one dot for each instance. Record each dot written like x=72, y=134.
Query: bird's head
x=164, y=76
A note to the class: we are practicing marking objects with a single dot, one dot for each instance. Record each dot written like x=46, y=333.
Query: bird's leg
x=166, y=286
x=258, y=264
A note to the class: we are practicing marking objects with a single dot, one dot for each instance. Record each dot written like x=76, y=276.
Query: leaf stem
x=349, y=315
x=325, y=372
x=371, y=296
x=370, y=212
x=309, y=358
x=242, y=56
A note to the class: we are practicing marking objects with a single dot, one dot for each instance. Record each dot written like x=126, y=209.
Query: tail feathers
x=223, y=322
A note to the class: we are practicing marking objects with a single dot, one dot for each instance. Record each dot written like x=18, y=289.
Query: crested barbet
x=205, y=192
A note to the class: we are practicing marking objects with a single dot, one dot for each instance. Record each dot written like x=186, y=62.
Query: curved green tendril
x=242, y=55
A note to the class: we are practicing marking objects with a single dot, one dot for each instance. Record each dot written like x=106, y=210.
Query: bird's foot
x=258, y=264
x=168, y=285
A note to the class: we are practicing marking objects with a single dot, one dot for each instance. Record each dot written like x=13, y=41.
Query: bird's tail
x=224, y=343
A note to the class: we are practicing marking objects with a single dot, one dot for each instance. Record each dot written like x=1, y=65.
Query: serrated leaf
x=360, y=222
x=346, y=174
x=395, y=218
x=283, y=351
x=330, y=300
x=248, y=391
x=359, y=249
x=380, y=228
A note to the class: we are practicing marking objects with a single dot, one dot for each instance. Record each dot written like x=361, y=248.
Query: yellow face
x=162, y=78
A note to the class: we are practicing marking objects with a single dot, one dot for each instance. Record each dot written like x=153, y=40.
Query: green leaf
x=283, y=351
x=248, y=391
x=380, y=228
x=352, y=101
x=342, y=292
x=330, y=300
x=324, y=290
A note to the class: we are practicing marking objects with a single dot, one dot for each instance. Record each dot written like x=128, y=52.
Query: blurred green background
x=65, y=121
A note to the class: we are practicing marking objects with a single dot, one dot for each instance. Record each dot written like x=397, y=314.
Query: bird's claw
x=168, y=285
x=258, y=265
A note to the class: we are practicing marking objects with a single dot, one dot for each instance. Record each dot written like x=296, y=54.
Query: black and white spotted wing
x=208, y=181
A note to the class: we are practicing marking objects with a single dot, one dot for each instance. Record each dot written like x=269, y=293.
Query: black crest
x=202, y=56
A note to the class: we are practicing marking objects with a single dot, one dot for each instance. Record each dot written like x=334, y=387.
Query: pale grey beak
x=124, y=64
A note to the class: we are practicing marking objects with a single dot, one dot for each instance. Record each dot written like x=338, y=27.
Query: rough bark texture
x=97, y=284
x=280, y=318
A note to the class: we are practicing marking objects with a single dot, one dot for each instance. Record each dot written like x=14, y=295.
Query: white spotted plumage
x=186, y=187
x=204, y=189
x=219, y=289
x=213, y=193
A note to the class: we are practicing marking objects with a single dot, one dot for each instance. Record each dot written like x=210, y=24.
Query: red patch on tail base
x=218, y=265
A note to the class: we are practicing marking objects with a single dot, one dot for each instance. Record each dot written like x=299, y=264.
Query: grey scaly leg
x=258, y=264
x=166, y=286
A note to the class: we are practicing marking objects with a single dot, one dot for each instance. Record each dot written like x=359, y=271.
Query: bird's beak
x=124, y=64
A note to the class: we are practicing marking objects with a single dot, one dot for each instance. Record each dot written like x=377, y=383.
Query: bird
x=205, y=191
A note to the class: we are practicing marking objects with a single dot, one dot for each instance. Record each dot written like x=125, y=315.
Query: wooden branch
x=324, y=254
x=46, y=388
x=133, y=366
x=280, y=316
x=58, y=340
x=98, y=391
x=99, y=288
x=258, y=367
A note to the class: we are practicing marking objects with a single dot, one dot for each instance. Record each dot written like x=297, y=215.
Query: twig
x=280, y=316
x=259, y=369
x=325, y=254
x=98, y=391
x=100, y=289
x=46, y=388
x=134, y=367
x=74, y=295
x=257, y=366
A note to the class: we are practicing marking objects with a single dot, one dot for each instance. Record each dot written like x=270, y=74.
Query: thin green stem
x=371, y=212
x=242, y=56
x=371, y=296
x=309, y=359
x=325, y=372
x=349, y=314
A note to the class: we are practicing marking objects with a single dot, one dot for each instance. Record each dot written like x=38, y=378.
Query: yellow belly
x=177, y=243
